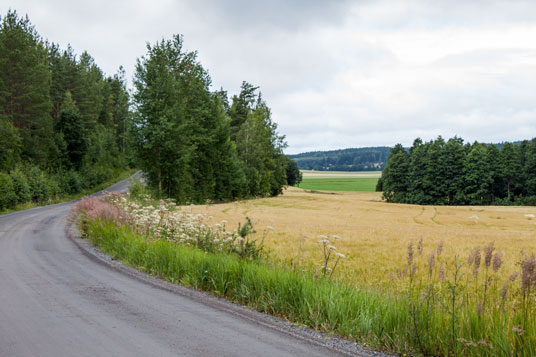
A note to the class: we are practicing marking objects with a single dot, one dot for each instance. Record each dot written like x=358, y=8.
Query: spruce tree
x=70, y=124
x=510, y=168
x=25, y=85
x=395, y=184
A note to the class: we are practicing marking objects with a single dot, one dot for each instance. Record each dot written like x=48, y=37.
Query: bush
x=37, y=182
x=95, y=175
x=529, y=201
x=54, y=186
x=74, y=182
x=137, y=189
x=21, y=187
x=8, y=198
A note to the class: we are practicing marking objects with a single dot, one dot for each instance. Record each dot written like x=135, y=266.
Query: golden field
x=375, y=234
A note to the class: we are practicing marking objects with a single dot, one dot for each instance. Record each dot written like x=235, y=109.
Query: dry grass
x=375, y=234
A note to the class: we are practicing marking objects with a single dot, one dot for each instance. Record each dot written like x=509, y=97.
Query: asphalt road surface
x=55, y=300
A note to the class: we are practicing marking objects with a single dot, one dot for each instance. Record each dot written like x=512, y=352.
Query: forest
x=450, y=172
x=196, y=145
x=63, y=123
x=65, y=126
x=354, y=159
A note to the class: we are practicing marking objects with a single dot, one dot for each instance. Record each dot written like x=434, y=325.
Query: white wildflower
x=340, y=255
x=331, y=247
x=270, y=228
x=334, y=236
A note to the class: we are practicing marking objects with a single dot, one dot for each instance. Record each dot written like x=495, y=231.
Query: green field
x=342, y=172
x=339, y=184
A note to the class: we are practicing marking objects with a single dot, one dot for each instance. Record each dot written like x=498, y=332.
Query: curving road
x=58, y=300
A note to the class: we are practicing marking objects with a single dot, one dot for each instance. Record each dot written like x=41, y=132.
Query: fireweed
x=481, y=314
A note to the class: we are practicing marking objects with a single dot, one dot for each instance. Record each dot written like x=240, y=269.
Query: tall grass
x=449, y=305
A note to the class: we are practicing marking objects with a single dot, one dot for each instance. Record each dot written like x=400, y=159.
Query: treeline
x=195, y=145
x=451, y=173
x=355, y=159
x=63, y=123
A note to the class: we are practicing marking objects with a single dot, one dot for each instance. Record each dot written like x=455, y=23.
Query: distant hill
x=501, y=144
x=355, y=159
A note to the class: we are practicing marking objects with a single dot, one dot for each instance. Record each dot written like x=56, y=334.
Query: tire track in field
x=436, y=213
x=417, y=216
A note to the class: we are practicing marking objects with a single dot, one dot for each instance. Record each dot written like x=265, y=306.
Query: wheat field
x=375, y=234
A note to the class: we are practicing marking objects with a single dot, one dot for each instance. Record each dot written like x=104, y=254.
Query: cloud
x=340, y=73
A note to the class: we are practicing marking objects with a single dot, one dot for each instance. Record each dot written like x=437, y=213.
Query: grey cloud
x=259, y=16
x=333, y=72
x=391, y=15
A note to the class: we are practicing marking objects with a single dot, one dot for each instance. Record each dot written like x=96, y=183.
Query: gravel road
x=61, y=297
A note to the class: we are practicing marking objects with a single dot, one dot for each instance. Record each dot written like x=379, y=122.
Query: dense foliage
x=360, y=159
x=451, y=173
x=62, y=121
x=191, y=143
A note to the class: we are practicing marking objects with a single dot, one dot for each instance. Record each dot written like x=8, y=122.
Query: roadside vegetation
x=67, y=128
x=437, y=300
x=63, y=122
x=53, y=197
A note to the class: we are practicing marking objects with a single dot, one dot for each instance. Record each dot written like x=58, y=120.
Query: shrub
x=8, y=198
x=97, y=174
x=71, y=182
x=21, y=187
x=54, y=187
x=37, y=182
x=137, y=189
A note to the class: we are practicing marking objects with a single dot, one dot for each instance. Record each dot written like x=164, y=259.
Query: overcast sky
x=336, y=74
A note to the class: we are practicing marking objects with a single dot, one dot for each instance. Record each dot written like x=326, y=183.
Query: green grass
x=363, y=184
x=342, y=172
x=294, y=294
x=65, y=198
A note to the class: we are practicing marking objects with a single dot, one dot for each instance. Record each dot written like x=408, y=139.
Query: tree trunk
x=159, y=177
